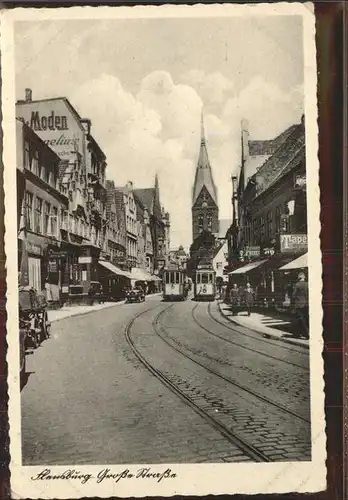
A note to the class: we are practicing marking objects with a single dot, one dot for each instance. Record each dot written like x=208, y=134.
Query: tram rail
x=249, y=450
x=232, y=342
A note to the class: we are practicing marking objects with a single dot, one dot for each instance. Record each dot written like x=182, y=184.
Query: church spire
x=204, y=175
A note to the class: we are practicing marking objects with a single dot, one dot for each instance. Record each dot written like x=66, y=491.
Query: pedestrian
x=249, y=298
x=234, y=298
x=300, y=304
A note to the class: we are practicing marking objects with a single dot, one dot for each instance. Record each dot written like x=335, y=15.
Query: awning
x=140, y=275
x=114, y=269
x=298, y=263
x=248, y=267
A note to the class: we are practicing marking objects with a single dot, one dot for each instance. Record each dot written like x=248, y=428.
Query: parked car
x=96, y=291
x=135, y=295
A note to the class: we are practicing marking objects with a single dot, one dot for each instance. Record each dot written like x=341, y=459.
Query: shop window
x=54, y=222
x=28, y=210
x=35, y=163
x=34, y=272
x=38, y=215
x=27, y=155
x=269, y=223
x=277, y=219
x=47, y=224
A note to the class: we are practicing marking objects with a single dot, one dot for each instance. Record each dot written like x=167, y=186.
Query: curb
x=121, y=302
x=270, y=335
x=85, y=312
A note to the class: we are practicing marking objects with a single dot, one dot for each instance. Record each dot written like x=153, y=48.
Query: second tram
x=175, y=284
x=205, y=284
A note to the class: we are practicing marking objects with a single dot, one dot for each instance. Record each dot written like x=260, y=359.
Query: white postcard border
x=190, y=479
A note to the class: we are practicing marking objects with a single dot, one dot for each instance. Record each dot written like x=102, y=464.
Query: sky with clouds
x=144, y=82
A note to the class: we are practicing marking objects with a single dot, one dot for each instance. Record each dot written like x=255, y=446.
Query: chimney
x=28, y=95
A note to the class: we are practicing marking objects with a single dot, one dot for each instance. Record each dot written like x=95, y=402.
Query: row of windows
x=40, y=217
x=264, y=227
x=131, y=225
x=201, y=221
x=33, y=162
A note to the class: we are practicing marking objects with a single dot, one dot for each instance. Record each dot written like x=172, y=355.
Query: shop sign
x=293, y=243
x=32, y=248
x=269, y=251
x=85, y=260
x=55, y=124
x=252, y=251
x=52, y=266
x=57, y=255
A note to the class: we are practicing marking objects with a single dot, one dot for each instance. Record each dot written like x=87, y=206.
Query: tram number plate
x=202, y=289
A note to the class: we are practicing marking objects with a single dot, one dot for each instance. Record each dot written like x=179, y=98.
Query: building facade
x=116, y=228
x=271, y=211
x=40, y=203
x=126, y=203
x=205, y=209
x=82, y=179
x=158, y=225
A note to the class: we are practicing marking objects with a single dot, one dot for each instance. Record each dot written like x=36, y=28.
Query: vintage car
x=33, y=316
x=135, y=295
x=95, y=291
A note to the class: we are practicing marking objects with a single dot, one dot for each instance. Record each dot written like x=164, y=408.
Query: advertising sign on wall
x=252, y=251
x=56, y=124
x=292, y=243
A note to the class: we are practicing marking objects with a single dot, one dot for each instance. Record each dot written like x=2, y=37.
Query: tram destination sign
x=292, y=243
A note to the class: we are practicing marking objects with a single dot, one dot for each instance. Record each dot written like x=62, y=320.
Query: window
x=262, y=227
x=269, y=223
x=47, y=222
x=277, y=219
x=72, y=223
x=200, y=221
x=35, y=163
x=26, y=155
x=28, y=210
x=54, y=221
x=47, y=176
x=209, y=222
x=38, y=216
x=34, y=273
x=205, y=278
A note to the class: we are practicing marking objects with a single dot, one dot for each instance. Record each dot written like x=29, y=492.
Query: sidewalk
x=273, y=325
x=70, y=311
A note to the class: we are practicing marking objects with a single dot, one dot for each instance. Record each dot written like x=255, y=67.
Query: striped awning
x=299, y=263
x=115, y=270
x=248, y=267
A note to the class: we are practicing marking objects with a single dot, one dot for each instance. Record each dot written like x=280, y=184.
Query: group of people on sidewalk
x=244, y=298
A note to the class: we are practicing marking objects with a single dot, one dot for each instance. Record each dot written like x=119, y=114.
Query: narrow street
x=162, y=382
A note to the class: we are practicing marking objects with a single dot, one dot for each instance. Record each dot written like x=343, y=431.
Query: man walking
x=300, y=303
x=249, y=298
x=234, y=298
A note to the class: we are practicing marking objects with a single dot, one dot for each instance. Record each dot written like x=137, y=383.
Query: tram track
x=246, y=448
x=230, y=380
x=232, y=342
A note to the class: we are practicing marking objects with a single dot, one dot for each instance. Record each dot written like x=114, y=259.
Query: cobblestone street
x=213, y=395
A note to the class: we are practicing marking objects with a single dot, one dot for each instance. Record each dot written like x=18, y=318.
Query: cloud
x=212, y=87
x=268, y=109
x=157, y=130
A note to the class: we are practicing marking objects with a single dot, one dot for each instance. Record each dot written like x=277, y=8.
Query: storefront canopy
x=140, y=275
x=115, y=270
x=248, y=267
x=299, y=263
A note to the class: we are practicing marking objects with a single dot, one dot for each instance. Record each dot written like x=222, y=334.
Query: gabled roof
x=145, y=197
x=270, y=146
x=204, y=174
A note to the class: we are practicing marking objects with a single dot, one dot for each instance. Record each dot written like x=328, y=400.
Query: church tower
x=205, y=210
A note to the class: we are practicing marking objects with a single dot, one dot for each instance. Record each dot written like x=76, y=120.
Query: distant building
x=116, y=228
x=205, y=209
x=125, y=197
x=159, y=224
x=179, y=257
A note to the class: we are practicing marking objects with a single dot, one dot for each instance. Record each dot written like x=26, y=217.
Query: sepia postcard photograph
x=164, y=278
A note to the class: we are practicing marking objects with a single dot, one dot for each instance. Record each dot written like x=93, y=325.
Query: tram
x=175, y=284
x=205, y=284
